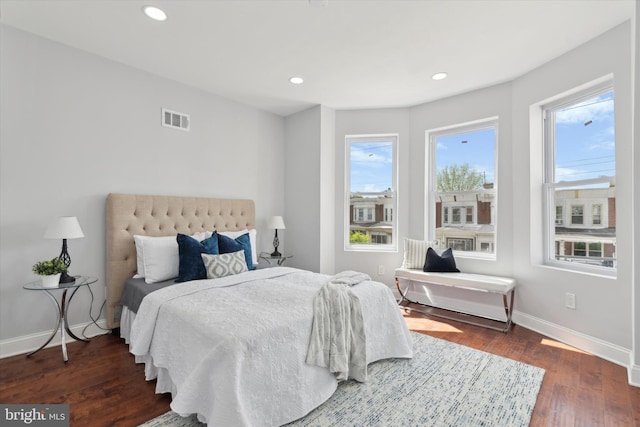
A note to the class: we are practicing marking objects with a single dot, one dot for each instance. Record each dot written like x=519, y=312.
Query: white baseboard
x=605, y=350
x=27, y=343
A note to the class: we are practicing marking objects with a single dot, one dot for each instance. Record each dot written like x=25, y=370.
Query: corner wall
x=634, y=372
x=308, y=189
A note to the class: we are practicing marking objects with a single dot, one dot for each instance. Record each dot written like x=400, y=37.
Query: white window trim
x=431, y=178
x=549, y=186
x=393, y=246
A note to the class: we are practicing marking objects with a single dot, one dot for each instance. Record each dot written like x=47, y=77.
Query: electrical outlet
x=570, y=300
x=381, y=270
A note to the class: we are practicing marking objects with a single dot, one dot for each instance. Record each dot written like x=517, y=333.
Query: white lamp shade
x=276, y=222
x=65, y=227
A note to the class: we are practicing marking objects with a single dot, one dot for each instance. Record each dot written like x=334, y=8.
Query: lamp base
x=276, y=254
x=66, y=279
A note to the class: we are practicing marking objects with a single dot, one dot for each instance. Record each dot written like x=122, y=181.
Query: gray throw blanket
x=337, y=339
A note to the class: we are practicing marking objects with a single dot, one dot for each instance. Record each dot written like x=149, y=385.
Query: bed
x=231, y=349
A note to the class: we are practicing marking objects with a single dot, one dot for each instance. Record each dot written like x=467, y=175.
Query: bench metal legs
x=508, y=309
x=470, y=319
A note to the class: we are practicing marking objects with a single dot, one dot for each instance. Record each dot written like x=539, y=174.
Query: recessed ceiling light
x=154, y=13
x=296, y=80
x=439, y=76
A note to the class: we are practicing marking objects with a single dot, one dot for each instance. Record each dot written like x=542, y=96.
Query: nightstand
x=62, y=308
x=278, y=260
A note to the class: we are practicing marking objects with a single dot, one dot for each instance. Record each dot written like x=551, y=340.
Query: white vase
x=51, y=281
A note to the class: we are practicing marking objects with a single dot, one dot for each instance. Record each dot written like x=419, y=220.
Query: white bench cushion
x=477, y=282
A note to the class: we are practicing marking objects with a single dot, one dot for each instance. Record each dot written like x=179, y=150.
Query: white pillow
x=252, y=239
x=157, y=258
x=415, y=252
x=224, y=264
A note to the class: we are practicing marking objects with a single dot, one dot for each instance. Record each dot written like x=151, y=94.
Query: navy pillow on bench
x=444, y=263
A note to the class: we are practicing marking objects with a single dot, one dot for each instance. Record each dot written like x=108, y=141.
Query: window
x=579, y=173
x=559, y=215
x=577, y=214
x=460, y=244
x=455, y=215
x=596, y=211
x=469, y=215
x=371, y=168
x=461, y=183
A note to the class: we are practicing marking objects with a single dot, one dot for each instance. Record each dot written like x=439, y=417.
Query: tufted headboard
x=129, y=214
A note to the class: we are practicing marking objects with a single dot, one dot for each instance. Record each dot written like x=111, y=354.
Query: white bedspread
x=233, y=350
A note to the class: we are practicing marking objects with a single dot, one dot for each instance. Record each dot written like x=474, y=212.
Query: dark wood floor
x=104, y=387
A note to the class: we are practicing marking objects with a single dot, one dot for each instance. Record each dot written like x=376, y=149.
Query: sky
x=476, y=148
x=585, y=140
x=585, y=148
x=371, y=166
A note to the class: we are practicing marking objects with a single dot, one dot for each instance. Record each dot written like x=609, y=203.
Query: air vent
x=175, y=120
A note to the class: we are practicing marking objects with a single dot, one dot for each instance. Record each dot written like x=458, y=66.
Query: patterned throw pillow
x=415, y=252
x=225, y=264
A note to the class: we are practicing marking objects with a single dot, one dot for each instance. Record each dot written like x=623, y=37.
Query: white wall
x=75, y=127
x=302, y=188
x=603, y=305
x=360, y=122
x=473, y=106
x=309, y=197
x=602, y=321
x=635, y=361
x=327, y=190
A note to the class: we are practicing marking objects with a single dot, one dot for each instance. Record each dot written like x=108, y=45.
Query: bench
x=504, y=286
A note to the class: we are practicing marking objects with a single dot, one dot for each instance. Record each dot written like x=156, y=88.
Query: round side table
x=61, y=307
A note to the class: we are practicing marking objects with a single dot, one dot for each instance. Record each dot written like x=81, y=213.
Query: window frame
x=431, y=184
x=393, y=193
x=550, y=186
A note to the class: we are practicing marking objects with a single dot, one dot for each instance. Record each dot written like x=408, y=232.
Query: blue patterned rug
x=445, y=384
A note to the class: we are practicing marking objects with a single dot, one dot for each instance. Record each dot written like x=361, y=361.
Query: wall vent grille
x=175, y=120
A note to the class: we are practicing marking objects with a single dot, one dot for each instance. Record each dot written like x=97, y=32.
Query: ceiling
x=352, y=54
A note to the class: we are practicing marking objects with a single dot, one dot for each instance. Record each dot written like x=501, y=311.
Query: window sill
x=474, y=255
x=593, y=271
x=371, y=248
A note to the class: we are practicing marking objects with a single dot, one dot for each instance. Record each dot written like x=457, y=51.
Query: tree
x=459, y=178
x=358, y=237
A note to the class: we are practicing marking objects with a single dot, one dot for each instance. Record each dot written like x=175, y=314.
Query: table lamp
x=65, y=227
x=276, y=223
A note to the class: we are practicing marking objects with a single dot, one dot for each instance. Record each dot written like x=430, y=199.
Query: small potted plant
x=50, y=271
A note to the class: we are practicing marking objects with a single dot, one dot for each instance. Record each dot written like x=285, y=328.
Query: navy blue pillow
x=191, y=266
x=228, y=245
x=444, y=263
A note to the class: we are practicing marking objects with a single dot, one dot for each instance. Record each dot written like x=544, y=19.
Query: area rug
x=445, y=384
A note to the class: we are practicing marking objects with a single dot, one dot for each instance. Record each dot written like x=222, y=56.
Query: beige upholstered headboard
x=129, y=214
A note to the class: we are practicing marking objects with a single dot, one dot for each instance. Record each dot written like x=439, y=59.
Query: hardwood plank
x=562, y=406
x=105, y=387
x=617, y=396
